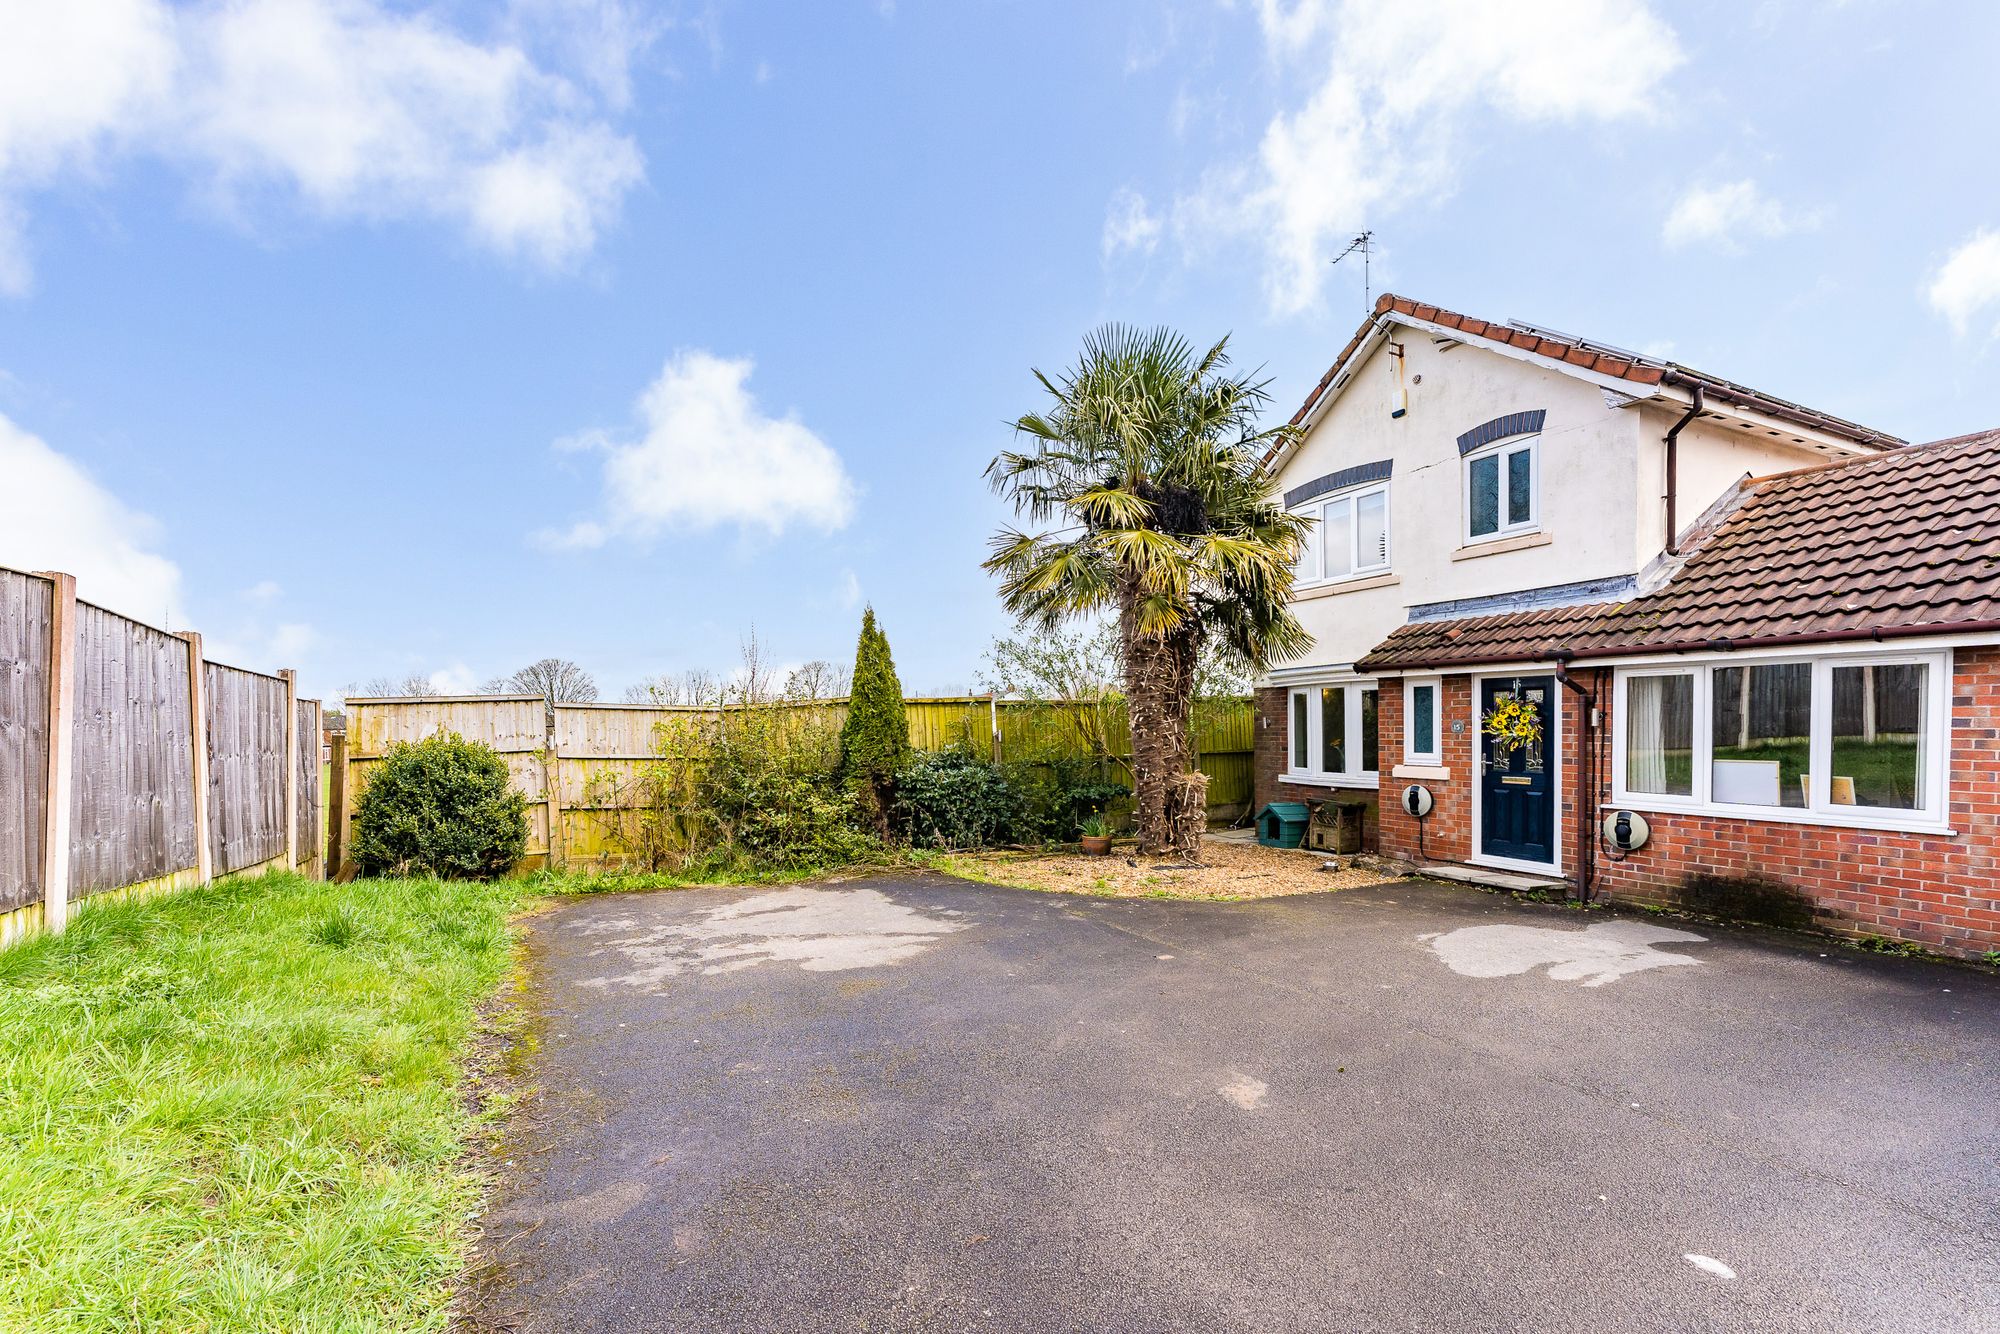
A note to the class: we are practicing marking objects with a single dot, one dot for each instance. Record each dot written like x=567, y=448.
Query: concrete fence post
x=62, y=710
x=291, y=785
x=204, y=852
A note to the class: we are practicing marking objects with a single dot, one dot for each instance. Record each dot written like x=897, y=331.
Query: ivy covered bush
x=443, y=807
x=954, y=799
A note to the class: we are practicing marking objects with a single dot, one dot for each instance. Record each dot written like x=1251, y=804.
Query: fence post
x=552, y=782
x=316, y=863
x=204, y=854
x=336, y=805
x=291, y=680
x=62, y=705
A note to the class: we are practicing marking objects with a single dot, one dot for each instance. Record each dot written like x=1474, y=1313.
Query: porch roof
x=1879, y=546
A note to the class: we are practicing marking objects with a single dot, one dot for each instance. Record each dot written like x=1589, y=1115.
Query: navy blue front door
x=1517, y=802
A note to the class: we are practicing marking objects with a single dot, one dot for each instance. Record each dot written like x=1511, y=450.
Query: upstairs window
x=1502, y=482
x=1349, y=539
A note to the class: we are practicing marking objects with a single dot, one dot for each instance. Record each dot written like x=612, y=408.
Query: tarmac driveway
x=921, y=1103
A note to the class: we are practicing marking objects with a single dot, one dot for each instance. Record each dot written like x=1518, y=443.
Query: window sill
x=1326, y=590
x=1495, y=546
x=1437, y=773
x=1889, y=824
x=1364, y=782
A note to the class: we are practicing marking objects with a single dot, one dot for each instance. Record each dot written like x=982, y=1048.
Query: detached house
x=1553, y=581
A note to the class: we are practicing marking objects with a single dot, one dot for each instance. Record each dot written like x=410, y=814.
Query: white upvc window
x=1855, y=739
x=1503, y=489
x=1422, y=720
x=1334, y=739
x=1349, y=538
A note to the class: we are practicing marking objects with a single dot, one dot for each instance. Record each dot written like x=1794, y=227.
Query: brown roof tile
x=1884, y=544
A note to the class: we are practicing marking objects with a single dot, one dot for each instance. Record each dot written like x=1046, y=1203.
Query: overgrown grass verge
x=236, y=1108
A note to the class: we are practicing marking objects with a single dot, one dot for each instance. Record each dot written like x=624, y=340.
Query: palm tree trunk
x=1170, y=799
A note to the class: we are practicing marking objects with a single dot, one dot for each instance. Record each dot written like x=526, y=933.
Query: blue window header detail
x=1514, y=423
x=1377, y=471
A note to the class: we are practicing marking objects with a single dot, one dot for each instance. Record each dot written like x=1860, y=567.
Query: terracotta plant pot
x=1096, y=845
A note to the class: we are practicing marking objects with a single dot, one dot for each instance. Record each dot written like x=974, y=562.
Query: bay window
x=1333, y=734
x=1858, y=740
x=1350, y=537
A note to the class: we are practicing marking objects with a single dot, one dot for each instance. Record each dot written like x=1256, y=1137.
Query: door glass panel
x=1372, y=518
x=1483, y=477
x=1762, y=721
x=1423, y=720
x=1371, y=747
x=1301, y=737
x=1333, y=730
x=1338, y=528
x=1659, y=735
x=1521, y=486
x=1878, y=736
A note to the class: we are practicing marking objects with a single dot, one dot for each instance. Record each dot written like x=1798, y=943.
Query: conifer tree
x=875, y=739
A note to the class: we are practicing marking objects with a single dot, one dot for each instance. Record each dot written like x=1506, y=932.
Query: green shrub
x=875, y=737
x=754, y=787
x=954, y=799
x=1059, y=795
x=440, y=807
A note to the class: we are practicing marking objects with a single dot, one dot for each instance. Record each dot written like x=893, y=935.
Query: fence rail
x=574, y=762
x=130, y=763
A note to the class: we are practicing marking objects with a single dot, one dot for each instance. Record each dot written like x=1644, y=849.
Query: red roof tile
x=1882, y=545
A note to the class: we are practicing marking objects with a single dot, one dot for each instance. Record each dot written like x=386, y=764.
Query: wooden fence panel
x=132, y=796
x=516, y=726
x=246, y=766
x=25, y=611
x=311, y=836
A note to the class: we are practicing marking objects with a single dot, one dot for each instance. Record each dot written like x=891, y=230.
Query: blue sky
x=383, y=338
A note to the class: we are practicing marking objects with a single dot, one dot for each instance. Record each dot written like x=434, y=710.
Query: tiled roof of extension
x=1884, y=545
x=1642, y=372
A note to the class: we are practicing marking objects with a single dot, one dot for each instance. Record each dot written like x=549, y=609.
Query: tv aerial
x=1365, y=244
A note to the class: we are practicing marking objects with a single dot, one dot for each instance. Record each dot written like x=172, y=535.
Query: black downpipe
x=1674, y=470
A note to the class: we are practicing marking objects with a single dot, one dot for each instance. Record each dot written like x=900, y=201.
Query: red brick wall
x=1940, y=891
x=1447, y=830
x=1270, y=759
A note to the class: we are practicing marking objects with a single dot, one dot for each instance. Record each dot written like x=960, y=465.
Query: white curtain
x=1646, y=734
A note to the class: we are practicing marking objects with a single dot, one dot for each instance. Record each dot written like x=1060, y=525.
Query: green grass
x=1882, y=771
x=236, y=1108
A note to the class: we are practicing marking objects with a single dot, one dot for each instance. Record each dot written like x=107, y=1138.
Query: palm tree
x=1147, y=499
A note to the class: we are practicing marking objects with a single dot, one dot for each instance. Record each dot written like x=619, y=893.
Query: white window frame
x=1411, y=755
x=1315, y=509
x=1355, y=687
x=1820, y=809
x=1499, y=450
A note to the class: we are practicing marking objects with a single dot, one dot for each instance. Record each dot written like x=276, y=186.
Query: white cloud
x=1966, y=286
x=1727, y=215
x=710, y=457
x=1390, y=92
x=55, y=516
x=351, y=109
x=457, y=679
x=262, y=593
x=1130, y=225
x=850, y=590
